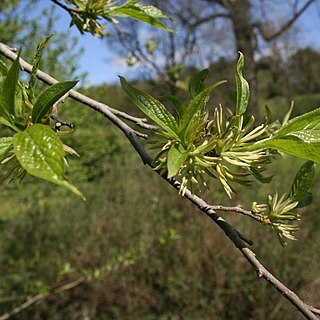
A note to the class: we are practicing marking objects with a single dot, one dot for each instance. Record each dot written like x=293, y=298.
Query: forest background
x=140, y=252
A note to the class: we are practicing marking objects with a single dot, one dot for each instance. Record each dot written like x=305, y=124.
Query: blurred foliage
x=20, y=29
x=172, y=263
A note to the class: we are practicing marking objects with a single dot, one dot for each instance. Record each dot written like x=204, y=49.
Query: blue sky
x=96, y=60
x=103, y=66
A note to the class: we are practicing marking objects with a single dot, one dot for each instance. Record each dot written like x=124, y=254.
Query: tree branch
x=286, y=26
x=232, y=233
x=209, y=18
x=39, y=297
x=7, y=52
x=238, y=209
x=135, y=48
x=68, y=9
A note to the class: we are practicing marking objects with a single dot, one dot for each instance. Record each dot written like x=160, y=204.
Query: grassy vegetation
x=153, y=254
x=302, y=103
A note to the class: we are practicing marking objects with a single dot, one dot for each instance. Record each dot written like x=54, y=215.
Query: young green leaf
x=197, y=105
x=242, y=88
x=5, y=142
x=153, y=108
x=151, y=10
x=177, y=104
x=36, y=60
x=3, y=111
x=81, y=4
x=8, y=92
x=302, y=181
x=305, y=200
x=268, y=116
x=195, y=108
x=259, y=176
x=290, y=145
x=309, y=121
x=144, y=13
x=40, y=153
x=196, y=83
x=177, y=155
x=48, y=97
x=288, y=114
x=299, y=137
x=3, y=69
x=20, y=103
x=9, y=124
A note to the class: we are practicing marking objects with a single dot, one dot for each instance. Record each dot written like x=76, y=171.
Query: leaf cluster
x=195, y=145
x=34, y=147
x=86, y=15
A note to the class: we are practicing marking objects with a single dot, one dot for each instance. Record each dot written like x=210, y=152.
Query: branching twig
x=237, y=209
x=55, y=116
x=314, y=310
x=39, y=297
x=232, y=233
x=98, y=106
x=104, y=270
x=68, y=9
x=286, y=26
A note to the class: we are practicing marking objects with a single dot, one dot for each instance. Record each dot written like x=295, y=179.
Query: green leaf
x=177, y=104
x=306, y=122
x=81, y=4
x=36, y=60
x=144, y=13
x=305, y=200
x=232, y=95
x=9, y=124
x=151, y=10
x=19, y=103
x=242, y=88
x=299, y=137
x=258, y=175
x=268, y=116
x=3, y=68
x=5, y=142
x=48, y=97
x=9, y=88
x=40, y=153
x=151, y=107
x=197, y=105
x=195, y=108
x=293, y=146
x=302, y=181
x=196, y=83
x=287, y=115
x=177, y=155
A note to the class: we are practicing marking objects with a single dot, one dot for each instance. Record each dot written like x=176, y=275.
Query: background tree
x=304, y=68
x=201, y=38
x=21, y=31
x=48, y=250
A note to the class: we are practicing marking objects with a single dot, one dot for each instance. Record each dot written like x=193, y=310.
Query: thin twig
x=284, y=27
x=98, y=106
x=39, y=297
x=238, y=209
x=314, y=310
x=108, y=268
x=232, y=233
x=68, y=9
x=262, y=272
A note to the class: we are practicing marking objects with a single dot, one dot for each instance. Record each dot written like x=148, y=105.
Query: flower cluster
x=213, y=148
x=279, y=216
x=194, y=145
